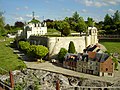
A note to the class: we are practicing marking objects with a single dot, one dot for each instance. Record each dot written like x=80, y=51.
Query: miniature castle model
x=34, y=27
x=54, y=44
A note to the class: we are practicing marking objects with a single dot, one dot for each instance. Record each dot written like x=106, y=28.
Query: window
x=110, y=74
x=112, y=63
x=106, y=69
x=96, y=68
x=90, y=62
x=96, y=64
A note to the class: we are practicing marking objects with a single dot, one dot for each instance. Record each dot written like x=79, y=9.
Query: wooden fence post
x=57, y=85
x=11, y=80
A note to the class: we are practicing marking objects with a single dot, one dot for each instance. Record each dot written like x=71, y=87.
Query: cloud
x=17, y=8
x=31, y=16
x=84, y=11
x=94, y=3
x=23, y=8
x=19, y=18
x=112, y=2
x=111, y=11
x=98, y=3
x=26, y=7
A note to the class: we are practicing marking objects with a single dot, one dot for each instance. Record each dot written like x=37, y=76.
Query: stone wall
x=54, y=44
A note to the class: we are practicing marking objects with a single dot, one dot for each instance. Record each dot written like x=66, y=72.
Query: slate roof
x=101, y=57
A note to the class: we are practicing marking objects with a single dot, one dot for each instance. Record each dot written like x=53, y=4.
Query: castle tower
x=92, y=31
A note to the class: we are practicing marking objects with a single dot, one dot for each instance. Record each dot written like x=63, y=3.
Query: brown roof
x=91, y=54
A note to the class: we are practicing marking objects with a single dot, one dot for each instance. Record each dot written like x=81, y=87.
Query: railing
x=108, y=36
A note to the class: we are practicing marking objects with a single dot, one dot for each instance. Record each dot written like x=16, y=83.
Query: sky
x=21, y=10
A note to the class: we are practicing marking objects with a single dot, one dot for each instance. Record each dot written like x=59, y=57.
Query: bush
x=116, y=63
x=71, y=48
x=24, y=45
x=61, y=54
x=41, y=51
x=31, y=51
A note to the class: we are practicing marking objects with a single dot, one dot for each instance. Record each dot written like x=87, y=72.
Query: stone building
x=34, y=27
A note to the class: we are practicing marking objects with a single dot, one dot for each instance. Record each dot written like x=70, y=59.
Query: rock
x=63, y=79
x=94, y=83
x=73, y=81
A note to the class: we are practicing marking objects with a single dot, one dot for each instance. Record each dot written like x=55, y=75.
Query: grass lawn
x=112, y=46
x=9, y=60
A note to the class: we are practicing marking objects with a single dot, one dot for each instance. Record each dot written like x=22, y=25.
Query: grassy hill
x=112, y=46
x=8, y=60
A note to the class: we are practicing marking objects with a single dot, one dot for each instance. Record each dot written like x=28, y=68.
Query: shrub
x=31, y=51
x=24, y=45
x=71, y=48
x=116, y=63
x=61, y=54
x=41, y=51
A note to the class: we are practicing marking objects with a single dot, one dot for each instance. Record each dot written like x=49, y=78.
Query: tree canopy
x=61, y=54
x=71, y=48
x=2, y=29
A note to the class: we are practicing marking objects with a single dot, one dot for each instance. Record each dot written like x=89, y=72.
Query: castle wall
x=54, y=44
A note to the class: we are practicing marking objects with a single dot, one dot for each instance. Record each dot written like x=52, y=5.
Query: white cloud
x=112, y=2
x=30, y=16
x=111, y=11
x=19, y=18
x=17, y=8
x=98, y=3
x=26, y=7
x=94, y=3
x=84, y=11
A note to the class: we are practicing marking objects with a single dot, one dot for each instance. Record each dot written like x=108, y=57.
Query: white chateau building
x=34, y=27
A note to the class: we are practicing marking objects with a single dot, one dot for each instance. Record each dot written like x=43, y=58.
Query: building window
x=112, y=63
x=96, y=64
x=96, y=68
x=90, y=62
x=90, y=67
x=110, y=74
x=106, y=69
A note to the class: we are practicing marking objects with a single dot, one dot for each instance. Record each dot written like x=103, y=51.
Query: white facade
x=33, y=29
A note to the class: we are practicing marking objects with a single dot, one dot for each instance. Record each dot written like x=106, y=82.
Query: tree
x=63, y=27
x=61, y=54
x=19, y=24
x=116, y=20
x=107, y=20
x=2, y=29
x=41, y=51
x=116, y=17
x=81, y=27
x=89, y=22
x=108, y=24
x=71, y=48
x=75, y=17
